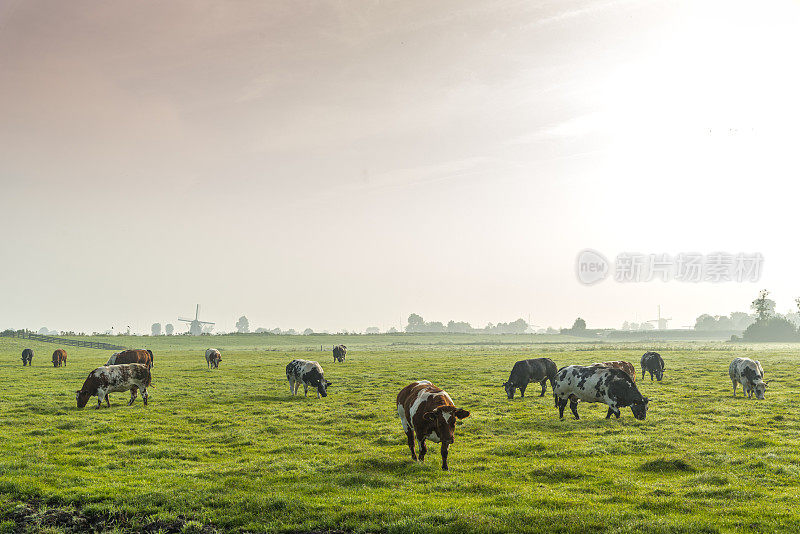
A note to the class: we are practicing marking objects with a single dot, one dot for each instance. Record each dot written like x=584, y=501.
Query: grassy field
x=231, y=450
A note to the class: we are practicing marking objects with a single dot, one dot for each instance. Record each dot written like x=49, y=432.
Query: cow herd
x=425, y=411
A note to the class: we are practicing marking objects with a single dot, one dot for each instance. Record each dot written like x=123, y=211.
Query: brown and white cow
x=213, y=357
x=622, y=366
x=429, y=412
x=131, y=356
x=114, y=378
x=59, y=358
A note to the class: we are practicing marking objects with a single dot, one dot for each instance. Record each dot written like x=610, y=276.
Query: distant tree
x=261, y=331
x=647, y=326
x=169, y=329
x=705, y=322
x=307, y=332
x=155, y=329
x=741, y=320
x=276, y=331
x=771, y=329
x=763, y=306
x=415, y=323
x=392, y=330
x=551, y=330
x=373, y=330
x=43, y=331
x=243, y=325
x=579, y=324
x=291, y=332
x=626, y=325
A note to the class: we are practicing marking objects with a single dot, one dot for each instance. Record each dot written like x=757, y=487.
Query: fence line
x=63, y=341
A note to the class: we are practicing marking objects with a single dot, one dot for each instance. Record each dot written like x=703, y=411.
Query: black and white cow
x=595, y=383
x=653, y=363
x=526, y=371
x=339, y=353
x=750, y=375
x=114, y=378
x=307, y=373
x=27, y=357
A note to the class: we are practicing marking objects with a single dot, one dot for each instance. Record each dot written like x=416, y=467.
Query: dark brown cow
x=131, y=356
x=27, y=357
x=622, y=366
x=59, y=358
x=429, y=412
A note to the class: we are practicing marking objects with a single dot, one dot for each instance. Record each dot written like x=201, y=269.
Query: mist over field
x=343, y=165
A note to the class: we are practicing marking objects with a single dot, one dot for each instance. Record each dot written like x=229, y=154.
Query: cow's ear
x=429, y=416
x=461, y=413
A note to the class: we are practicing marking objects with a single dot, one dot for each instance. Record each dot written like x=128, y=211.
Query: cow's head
x=639, y=408
x=511, y=388
x=443, y=420
x=760, y=388
x=82, y=396
x=322, y=388
x=659, y=373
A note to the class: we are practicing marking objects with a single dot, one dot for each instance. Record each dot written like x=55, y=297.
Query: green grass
x=231, y=450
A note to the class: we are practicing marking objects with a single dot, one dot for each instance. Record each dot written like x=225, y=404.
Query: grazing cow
x=653, y=363
x=750, y=375
x=27, y=357
x=429, y=411
x=131, y=356
x=526, y=371
x=595, y=383
x=309, y=374
x=112, y=379
x=59, y=358
x=213, y=357
x=339, y=352
x=622, y=366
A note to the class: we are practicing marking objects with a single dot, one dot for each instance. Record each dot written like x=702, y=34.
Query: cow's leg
x=562, y=403
x=643, y=372
x=108, y=404
x=544, y=387
x=134, y=391
x=144, y=396
x=422, y=450
x=305, y=389
x=734, y=388
x=291, y=386
x=573, y=405
x=522, y=389
x=410, y=436
x=610, y=411
x=445, y=450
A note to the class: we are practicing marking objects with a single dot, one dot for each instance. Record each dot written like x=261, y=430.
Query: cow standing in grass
x=653, y=363
x=339, y=352
x=524, y=372
x=307, y=373
x=59, y=358
x=114, y=378
x=622, y=366
x=750, y=375
x=429, y=412
x=595, y=383
x=27, y=357
x=131, y=356
x=213, y=357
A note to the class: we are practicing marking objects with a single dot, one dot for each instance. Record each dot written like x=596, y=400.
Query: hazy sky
x=341, y=164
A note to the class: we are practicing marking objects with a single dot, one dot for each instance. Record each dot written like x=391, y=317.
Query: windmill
x=196, y=325
x=661, y=322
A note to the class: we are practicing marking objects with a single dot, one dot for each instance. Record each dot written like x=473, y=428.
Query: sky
x=342, y=164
